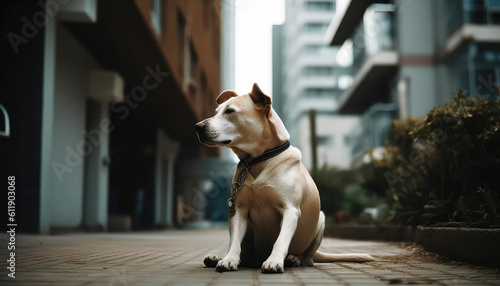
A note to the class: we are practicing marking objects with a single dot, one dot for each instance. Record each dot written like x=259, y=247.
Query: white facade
x=333, y=140
x=309, y=81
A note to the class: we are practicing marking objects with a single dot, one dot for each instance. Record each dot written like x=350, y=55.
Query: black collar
x=267, y=154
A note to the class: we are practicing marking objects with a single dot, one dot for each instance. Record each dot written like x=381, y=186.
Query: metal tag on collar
x=230, y=207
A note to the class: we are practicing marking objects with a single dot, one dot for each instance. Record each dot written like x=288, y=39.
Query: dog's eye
x=229, y=111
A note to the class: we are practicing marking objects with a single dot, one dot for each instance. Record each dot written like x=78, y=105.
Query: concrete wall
x=416, y=43
x=73, y=65
x=416, y=27
x=422, y=89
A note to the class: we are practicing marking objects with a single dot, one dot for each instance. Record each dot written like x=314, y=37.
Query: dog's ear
x=262, y=100
x=225, y=95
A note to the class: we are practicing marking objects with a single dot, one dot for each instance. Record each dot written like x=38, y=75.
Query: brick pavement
x=176, y=258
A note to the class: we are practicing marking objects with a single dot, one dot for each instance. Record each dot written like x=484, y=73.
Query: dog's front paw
x=272, y=266
x=211, y=260
x=227, y=265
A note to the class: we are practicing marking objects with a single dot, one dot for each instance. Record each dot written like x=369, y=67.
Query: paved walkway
x=176, y=258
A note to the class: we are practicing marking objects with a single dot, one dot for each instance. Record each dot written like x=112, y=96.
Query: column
x=105, y=87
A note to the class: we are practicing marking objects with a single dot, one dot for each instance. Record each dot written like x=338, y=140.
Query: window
x=319, y=6
x=486, y=82
x=492, y=11
x=484, y=72
x=312, y=49
x=181, y=27
x=204, y=99
x=348, y=140
x=317, y=71
x=193, y=62
x=324, y=140
x=191, y=72
x=319, y=92
x=156, y=15
x=316, y=27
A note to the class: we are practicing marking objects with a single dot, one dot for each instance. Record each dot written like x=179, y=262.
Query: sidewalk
x=176, y=258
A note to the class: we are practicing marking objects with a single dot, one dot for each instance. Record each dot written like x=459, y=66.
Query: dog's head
x=245, y=123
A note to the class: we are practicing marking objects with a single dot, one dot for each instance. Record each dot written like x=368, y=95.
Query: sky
x=253, y=40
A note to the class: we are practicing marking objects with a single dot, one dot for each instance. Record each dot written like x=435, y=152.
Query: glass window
x=317, y=71
x=312, y=49
x=324, y=140
x=193, y=62
x=316, y=27
x=378, y=30
x=492, y=11
x=319, y=6
x=181, y=38
x=348, y=140
x=319, y=92
x=472, y=11
x=156, y=15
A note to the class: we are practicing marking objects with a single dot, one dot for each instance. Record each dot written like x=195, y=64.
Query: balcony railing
x=374, y=130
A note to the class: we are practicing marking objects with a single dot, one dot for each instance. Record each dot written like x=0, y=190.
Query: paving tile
x=176, y=258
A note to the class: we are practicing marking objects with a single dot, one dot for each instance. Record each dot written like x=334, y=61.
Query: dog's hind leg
x=313, y=247
x=211, y=260
x=292, y=261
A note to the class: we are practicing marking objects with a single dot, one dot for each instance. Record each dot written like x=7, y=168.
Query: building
x=407, y=57
x=306, y=77
x=102, y=97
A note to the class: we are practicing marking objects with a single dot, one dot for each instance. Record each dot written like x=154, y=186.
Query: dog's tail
x=345, y=257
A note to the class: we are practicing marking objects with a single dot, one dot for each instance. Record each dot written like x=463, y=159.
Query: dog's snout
x=199, y=126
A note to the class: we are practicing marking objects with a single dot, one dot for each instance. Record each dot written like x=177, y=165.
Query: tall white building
x=306, y=77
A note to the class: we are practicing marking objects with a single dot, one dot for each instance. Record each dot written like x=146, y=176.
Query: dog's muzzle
x=207, y=135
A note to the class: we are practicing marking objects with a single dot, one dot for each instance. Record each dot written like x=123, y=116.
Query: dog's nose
x=199, y=126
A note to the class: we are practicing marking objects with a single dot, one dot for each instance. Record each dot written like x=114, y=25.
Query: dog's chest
x=261, y=201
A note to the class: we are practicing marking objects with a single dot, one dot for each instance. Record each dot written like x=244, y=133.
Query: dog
x=275, y=217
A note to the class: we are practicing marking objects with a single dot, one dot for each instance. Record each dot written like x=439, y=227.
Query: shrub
x=340, y=190
x=446, y=166
x=355, y=199
x=331, y=183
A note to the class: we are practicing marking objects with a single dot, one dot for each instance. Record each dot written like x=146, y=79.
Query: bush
x=340, y=190
x=355, y=199
x=331, y=183
x=446, y=167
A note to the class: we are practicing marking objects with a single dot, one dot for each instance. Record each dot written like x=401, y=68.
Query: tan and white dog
x=275, y=217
